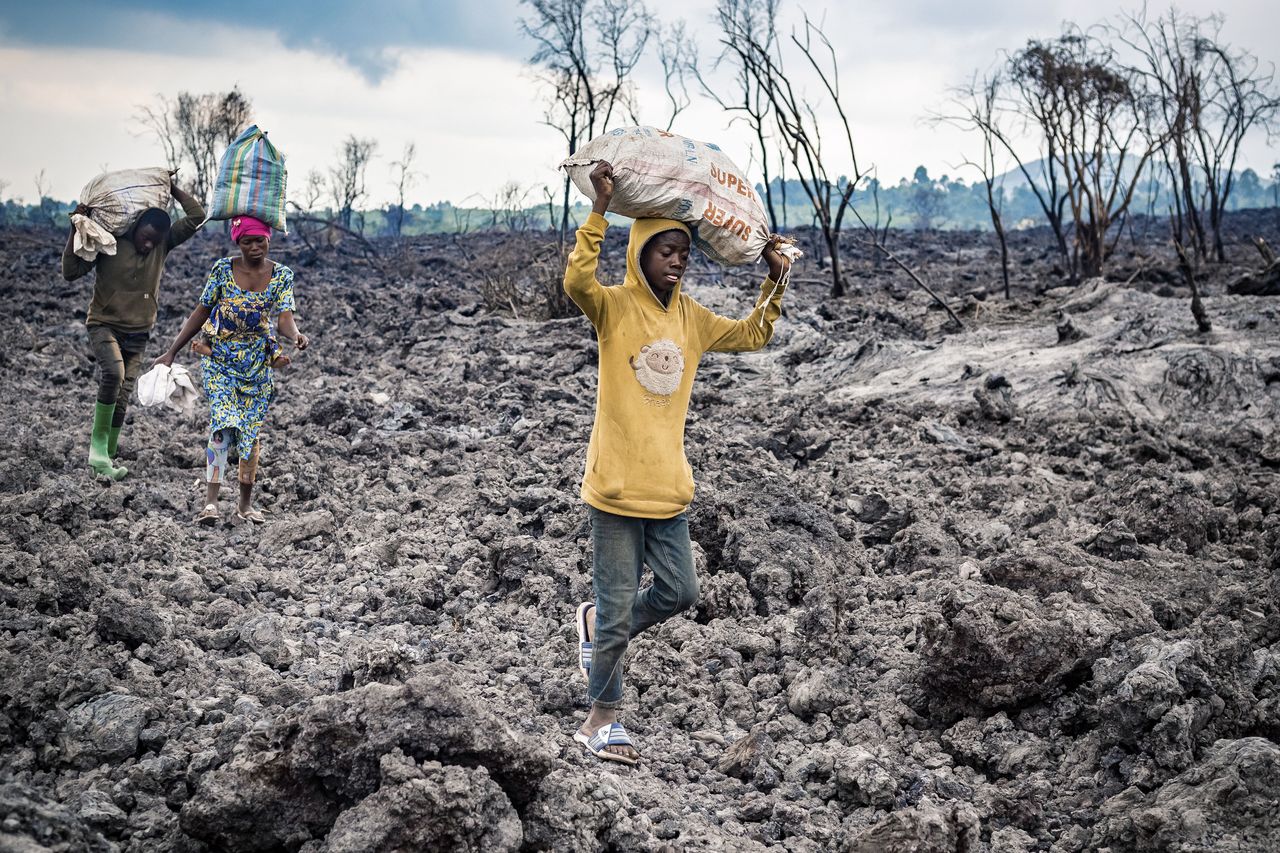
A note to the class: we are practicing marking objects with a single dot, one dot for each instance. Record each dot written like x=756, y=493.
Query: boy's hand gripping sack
x=661, y=174
x=251, y=180
x=115, y=200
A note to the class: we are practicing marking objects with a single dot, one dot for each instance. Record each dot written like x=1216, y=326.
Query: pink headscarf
x=247, y=226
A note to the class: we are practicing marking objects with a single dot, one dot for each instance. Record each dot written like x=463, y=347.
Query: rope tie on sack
x=786, y=247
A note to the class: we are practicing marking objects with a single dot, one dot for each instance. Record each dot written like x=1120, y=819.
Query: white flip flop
x=610, y=734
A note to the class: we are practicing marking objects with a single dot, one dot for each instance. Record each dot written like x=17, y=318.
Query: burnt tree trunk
x=1004, y=252
x=1189, y=274
x=833, y=249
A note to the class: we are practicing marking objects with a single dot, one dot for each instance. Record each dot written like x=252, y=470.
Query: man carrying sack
x=123, y=312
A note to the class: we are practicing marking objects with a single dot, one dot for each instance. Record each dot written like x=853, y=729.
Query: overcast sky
x=451, y=77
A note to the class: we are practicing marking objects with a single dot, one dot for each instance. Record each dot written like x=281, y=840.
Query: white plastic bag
x=115, y=199
x=657, y=173
x=170, y=385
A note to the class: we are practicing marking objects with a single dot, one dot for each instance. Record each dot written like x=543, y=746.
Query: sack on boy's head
x=251, y=180
x=657, y=173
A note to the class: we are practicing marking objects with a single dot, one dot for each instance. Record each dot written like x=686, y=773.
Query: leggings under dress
x=221, y=441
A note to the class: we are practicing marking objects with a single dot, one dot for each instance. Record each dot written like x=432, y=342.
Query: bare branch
x=748, y=101
x=677, y=55
x=193, y=131
x=586, y=79
x=975, y=108
x=405, y=176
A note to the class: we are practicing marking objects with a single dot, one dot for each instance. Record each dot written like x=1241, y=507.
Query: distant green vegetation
x=920, y=202
x=923, y=202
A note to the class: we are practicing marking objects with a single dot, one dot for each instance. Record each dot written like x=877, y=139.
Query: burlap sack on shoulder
x=115, y=200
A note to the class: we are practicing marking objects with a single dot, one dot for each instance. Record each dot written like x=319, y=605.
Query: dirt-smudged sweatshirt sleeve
x=74, y=266
x=724, y=334
x=580, y=280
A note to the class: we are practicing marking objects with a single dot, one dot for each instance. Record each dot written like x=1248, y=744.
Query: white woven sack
x=115, y=199
x=662, y=174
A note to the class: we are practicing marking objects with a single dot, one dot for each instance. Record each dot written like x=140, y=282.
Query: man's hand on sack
x=82, y=209
x=602, y=183
x=778, y=264
x=166, y=360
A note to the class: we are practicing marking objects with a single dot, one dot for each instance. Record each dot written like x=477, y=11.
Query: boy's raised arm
x=724, y=334
x=193, y=216
x=580, y=280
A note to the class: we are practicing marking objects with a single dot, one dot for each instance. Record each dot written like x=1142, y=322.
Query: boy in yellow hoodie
x=638, y=483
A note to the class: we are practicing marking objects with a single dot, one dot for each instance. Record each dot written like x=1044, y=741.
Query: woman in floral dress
x=238, y=349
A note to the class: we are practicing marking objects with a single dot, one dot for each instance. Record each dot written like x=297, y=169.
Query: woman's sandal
x=254, y=516
x=610, y=734
x=208, y=516
x=584, y=645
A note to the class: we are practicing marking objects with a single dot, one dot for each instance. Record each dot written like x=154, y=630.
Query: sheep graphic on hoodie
x=649, y=354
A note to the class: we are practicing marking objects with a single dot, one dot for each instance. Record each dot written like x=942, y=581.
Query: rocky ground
x=1015, y=587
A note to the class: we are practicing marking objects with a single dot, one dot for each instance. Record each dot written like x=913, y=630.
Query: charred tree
x=1209, y=97
x=193, y=130
x=347, y=179
x=1188, y=270
x=585, y=53
x=746, y=24
x=1093, y=122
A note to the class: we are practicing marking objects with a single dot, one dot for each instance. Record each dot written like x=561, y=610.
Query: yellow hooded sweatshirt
x=649, y=353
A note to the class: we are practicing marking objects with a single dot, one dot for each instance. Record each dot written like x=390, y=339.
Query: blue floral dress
x=237, y=375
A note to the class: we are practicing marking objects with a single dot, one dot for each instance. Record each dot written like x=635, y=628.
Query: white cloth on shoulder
x=170, y=385
x=91, y=238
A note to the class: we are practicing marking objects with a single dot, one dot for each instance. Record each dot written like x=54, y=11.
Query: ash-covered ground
x=1010, y=588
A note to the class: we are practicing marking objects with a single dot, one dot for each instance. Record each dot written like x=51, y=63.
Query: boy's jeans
x=622, y=546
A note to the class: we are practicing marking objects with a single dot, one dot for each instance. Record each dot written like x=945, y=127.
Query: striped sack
x=251, y=180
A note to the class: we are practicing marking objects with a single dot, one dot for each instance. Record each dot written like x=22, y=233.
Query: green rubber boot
x=113, y=443
x=99, y=459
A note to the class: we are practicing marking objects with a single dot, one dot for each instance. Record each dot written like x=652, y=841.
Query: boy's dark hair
x=156, y=217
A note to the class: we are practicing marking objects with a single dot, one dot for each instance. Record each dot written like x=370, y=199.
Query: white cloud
x=476, y=117
x=473, y=117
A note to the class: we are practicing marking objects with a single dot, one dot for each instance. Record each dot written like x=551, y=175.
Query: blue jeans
x=622, y=546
